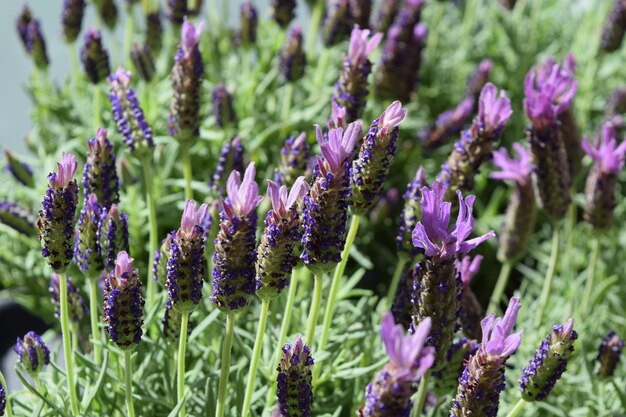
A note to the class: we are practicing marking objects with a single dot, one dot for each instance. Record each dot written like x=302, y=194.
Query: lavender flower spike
x=378, y=149
x=519, y=222
x=608, y=160
x=123, y=304
x=548, y=363
x=100, y=175
x=94, y=57
x=325, y=208
x=18, y=218
x=411, y=212
x=186, y=76
x=295, y=392
x=87, y=253
x=337, y=22
x=609, y=354
x=471, y=310
x=614, y=27
x=389, y=394
x=36, y=44
x=294, y=158
x=281, y=235
x=476, y=144
x=223, y=109
x=32, y=353
x=56, y=218
x=129, y=117
x=72, y=19
x=21, y=24
x=113, y=235
x=291, y=57
x=234, y=274
x=21, y=171
x=352, y=89
x=75, y=303
x=482, y=380
x=231, y=159
x=186, y=265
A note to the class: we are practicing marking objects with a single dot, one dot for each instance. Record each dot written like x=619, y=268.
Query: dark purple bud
x=387, y=11
x=283, y=12
x=223, y=110
x=231, y=159
x=113, y=235
x=36, y=44
x=100, y=174
x=21, y=24
x=127, y=113
x=548, y=363
x=614, y=27
x=186, y=76
x=94, y=57
x=449, y=123
x=18, y=218
x=57, y=216
x=21, y=171
x=337, y=22
x=77, y=308
x=176, y=10
x=291, y=58
x=411, y=213
x=154, y=32
x=72, y=19
x=108, y=13
x=123, y=304
x=87, y=253
x=32, y=353
x=295, y=391
x=294, y=157
x=402, y=306
x=609, y=354
x=141, y=56
x=248, y=20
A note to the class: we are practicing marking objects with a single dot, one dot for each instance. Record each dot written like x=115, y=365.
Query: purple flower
x=100, y=175
x=75, y=303
x=113, y=235
x=223, y=109
x=338, y=117
x=361, y=45
x=295, y=392
x=468, y=267
x=72, y=19
x=411, y=212
x=432, y=233
x=123, y=304
x=338, y=145
x=176, y=10
x=21, y=24
x=32, y=353
x=291, y=57
x=494, y=111
x=87, y=252
x=512, y=169
x=608, y=156
x=65, y=171
x=3, y=399
x=94, y=57
x=498, y=341
x=231, y=159
x=479, y=78
x=609, y=354
x=36, y=44
x=243, y=196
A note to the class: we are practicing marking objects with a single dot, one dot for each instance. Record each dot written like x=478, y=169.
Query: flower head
x=192, y=217
x=65, y=171
x=295, y=392
x=393, y=115
x=361, y=45
x=100, y=175
x=339, y=144
x=72, y=19
x=282, y=201
x=498, y=341
x=32, y=353
x=94, y=57
x=243, y=196
x=468, y=268
x=338, y=117
x=190, y=35
x=609, y=354
x=494, y=111
x=514, y=169
x=608, y=156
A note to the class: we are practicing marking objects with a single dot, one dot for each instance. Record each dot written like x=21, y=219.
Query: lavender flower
x=295, y=392
x=141, y=56
x=338, y=116
x=223, y=109
x=389, y=394
x=176, y=10
x=72, y=19
x=56, y=218
x=123, y=304
x=602, y=179
x=438, y=287
x=283, y=12
x=478, y=79
x=447, y=379
x=113, y=235
x=94, y=57
x=482, y=380
x=129, y=117
x=448, y=124
x=276, y=256
x=108, y=13
x=32, y=353
x=294, y=158
x=411, y=212
x=36, y=44
x=154, y=32
x=21, y=24
x=548, y=363
x=186, y=265
x=291, y=57
x=609, y=354
x=234, y=275
x=186, y=76
x=99, y=175
x=378, y=149
x=614, y=27
x=337, y=22
x=21, y=171
x=519, y=222
x=325, y=208
x=248, y=21
x=351, y=88
x=75, y=303
x=471, y=310
x=387, y=11
x=87, y=254
x=476, y=143
x=544, y=101
x=171, y=322
x=3, y=399
x=18, y=218
x=231, y=159
x=408, y=16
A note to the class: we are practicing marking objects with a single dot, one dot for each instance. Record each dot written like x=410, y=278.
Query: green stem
x=182, y=346
x=186, y=155
x=93, y=313
x=421, y=395
x=498, y=290
x=284, y=328
x=40, y=389
x=547, y=284
x=74, y=327
x=256, y=354
x=595, y=251
x=97, y=106
x=334, y=290
x=315, y=308
x=128, y=378
x=315, y=22
x=395, y=279
x=516, y=408
x=8, y=409
x=67, y=347
x=152, y=219
x=225, y=366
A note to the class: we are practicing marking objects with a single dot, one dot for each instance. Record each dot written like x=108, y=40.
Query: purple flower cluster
x=29, y=31
x=18, y=218
x=223, y=109
x=294, y=159
x=127, y=113
x=123, y=304
x=295, y=392
x=21, y=171
x=32, y=353
x=411, y=212
x=87, y=252
x=113, y=235
x=100, y=175
x=291, y=57
x=447, y=378
x=143, y=61
x=231, y=159
x=609, y=354
x=3, y=399
x=72, y=19
x=75, y=303
x=94, y=57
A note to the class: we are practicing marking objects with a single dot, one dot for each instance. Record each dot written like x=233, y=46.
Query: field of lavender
x=331, y=208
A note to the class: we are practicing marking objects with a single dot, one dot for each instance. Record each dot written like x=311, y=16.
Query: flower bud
x=291, y=57
x=18, y=218
x=223, y=109
x=100, y=175
x=609, y=354
x=72, y=19
x=295, y=391
x=283, y=12
x=94, y=57
x=294, y=158
x=87, y=253
x=21, y=171
x=108, y=13
x=32, y=353
x=154, y=32
x=411, y=213
x=231, y=159
x=337, y=22
x=614, y=27
x=113, y=235
x=248, y=20
x=387, y=11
